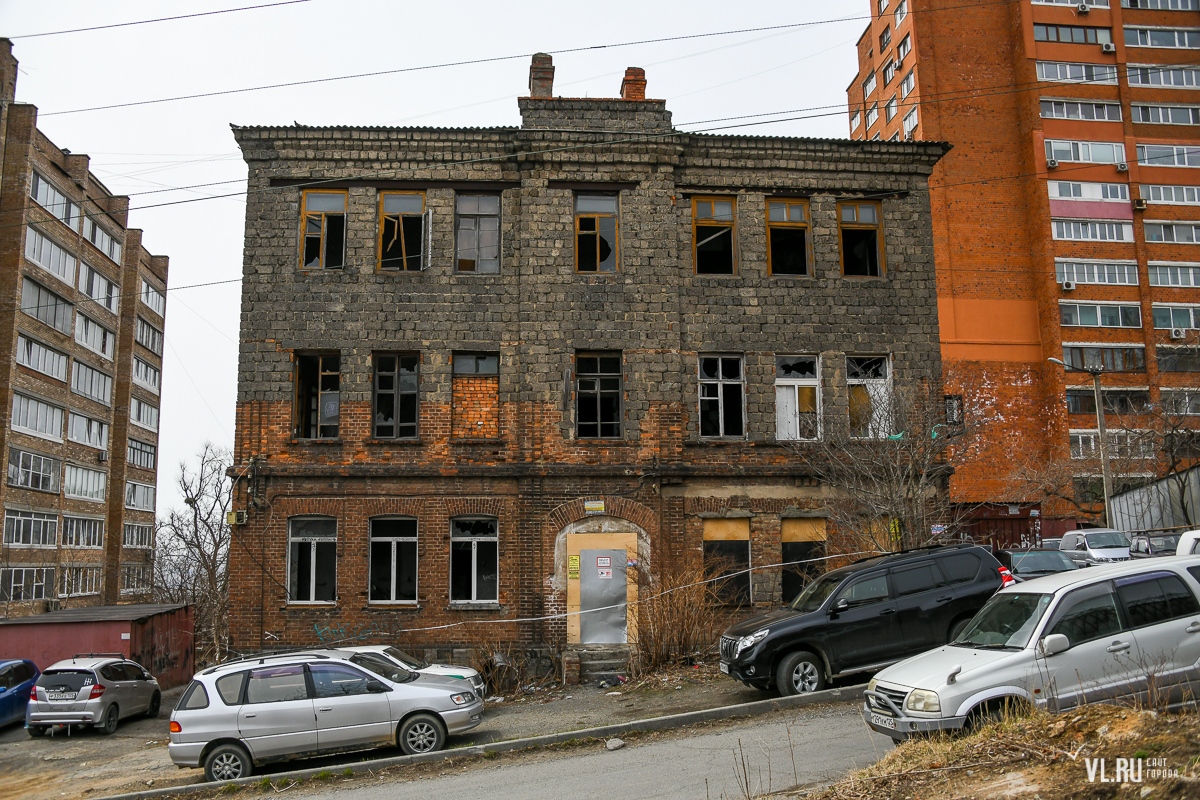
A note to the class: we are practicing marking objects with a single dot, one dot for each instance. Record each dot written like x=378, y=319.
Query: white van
x=1189, y=543
x=1095, y=546
x=1083, y=636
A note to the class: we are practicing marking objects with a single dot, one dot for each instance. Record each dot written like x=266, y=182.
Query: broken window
x=797, y=398
x=595, y=233
x=318, y=396
x=478, y=233
x=475, y=396
x=324, y=230
x=727, y=555
x=787, y=237
x=861, y=252
x=868, y=379
x=402, y=227
x=598, y=395
x=397, y=381
x=474, y=560
x=393, y=560
x=721, y=397
x=712, y=235
x=312, y=559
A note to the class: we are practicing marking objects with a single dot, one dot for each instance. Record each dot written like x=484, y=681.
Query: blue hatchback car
x=16, y=682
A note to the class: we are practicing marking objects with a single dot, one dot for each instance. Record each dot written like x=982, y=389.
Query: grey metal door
x=602, y=596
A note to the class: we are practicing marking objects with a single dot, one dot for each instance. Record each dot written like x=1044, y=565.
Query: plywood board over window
x=727, y=553
x=803, y=541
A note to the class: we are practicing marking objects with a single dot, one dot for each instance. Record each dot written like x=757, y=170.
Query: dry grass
x=681, y=616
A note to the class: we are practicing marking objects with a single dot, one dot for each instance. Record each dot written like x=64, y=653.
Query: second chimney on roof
x=541, y=76
x=633, y=87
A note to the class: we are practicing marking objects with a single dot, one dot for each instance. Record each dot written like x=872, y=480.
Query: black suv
x=863, y=617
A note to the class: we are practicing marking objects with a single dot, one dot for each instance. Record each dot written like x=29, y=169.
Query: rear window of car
x=960, y=567
x=71, y=679
x=230, y=688
x=195, y=697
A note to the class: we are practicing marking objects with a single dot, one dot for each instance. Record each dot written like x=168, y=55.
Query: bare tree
x=192, y=550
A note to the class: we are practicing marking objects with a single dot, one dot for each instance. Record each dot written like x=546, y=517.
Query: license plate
x=883, y=722
x=61, y=695
x=724, y=668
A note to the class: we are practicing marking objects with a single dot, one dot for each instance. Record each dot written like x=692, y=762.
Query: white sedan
x=402, y=658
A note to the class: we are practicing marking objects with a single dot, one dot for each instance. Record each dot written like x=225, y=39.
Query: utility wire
x=160, y=19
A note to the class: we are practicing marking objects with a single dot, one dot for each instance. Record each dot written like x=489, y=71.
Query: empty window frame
x=1171, y=38
x=397, y=388
x=154, y=298
x=139, y=536
x=1091, y=230
x=402, y=231
x=1066, y=72
x=477, y=233
x=1166, y=155
x=1174, y=274
x=50, y=198
x=49, y=256
x=393, y=560
x=1099, y=273
x=1101, y=316
x=598, y=395
x=1078, y=190
x=797, y=398
x=36, y=417
x=869, y=85
x=323, y=245
x=1172, y=316
x=1176, y=232
x=136, y=578
x=788, y=242
x=474, y=560
x=727, y=556
x=30, y=529
x=85, y=532
x=1110, y=359
x=142, y=454
x=41, y=358
x=139, y=496
x=861, y=238
x=1080, y=109
x=87, y=431
x=1071, y=34
x=103, y=241
x=596, y=233
x=149, y=337
x=722, y=397
x=869, y=383
x=45, y=306
x=873, y=116
x=94, y=336
x=1167, y=77
x=1166, y=115
x=84, y=484
x=143, y=414
x=91, y=383
x=1177, y=359
x=24, y=584
x=714, y=232
x=1163, y=5
x=79, y=581
x=94, y=284
x=146, y=374
x=318, y=395
x=28, y=470
x=1085, y=152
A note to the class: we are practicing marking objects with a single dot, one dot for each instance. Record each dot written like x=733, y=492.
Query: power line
x=159, y=19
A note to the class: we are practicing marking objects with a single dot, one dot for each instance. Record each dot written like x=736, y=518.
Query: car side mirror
x=146, y=676
x=1054, y=643
x=1081, y=546
x=376, y=687
x=3, y=689
x=840, y=605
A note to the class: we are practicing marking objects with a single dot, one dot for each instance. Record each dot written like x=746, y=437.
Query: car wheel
x=36, y=730
x=108, y=725
x=228, y=762
x=155, y=705
x=800, y=673
x=421, y=733
x=957, y=628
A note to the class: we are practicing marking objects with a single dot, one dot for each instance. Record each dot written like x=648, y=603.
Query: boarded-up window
x=727, y=553
x=803, y=540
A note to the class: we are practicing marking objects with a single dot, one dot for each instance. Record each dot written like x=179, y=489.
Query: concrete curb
x=604, y=732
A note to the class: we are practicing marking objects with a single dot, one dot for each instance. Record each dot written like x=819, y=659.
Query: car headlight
x=921, y=700
x=1101, y=558
x=871, y=685
x=746, y=642
x=462, y=698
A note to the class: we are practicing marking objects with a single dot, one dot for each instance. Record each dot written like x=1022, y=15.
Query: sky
x=148, y=151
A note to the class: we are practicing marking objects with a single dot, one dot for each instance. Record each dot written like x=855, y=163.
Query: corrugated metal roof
x=128, y=613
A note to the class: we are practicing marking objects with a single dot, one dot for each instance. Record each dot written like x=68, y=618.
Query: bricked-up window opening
x=1083, y=401
x=50, y=198
x=402, y=231
x=312, y=560
x=869, y=382
x=797, y=398
x=42, y=358
x=803, y=540
x=598, y=395
x=787, y=237
x=478, y=233
x=474, y=560
x=393, y=560
x=713, y=236
x=1071, y=34
x=727, y=555
x=859, y=225
x=397, y=382
x=25, y=584
x=1178, y=359
x=82, y=532
x=595, y=233
x=141, y=536
x=30, y=529
x=45, y=306
x=33, y=470
x=77, y=581
x=722, y=397
x=318, y=395
x=141, y=454
x=475, y=401
x=324, y=244
x=99, y=288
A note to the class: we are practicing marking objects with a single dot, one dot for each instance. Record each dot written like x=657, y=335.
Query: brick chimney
x=541, y=76
x=633, y=87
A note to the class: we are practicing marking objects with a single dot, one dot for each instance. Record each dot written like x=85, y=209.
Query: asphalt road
x=826, y=743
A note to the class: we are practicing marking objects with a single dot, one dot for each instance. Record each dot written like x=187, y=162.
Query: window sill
x=387, y=605
x=30, y=547
x=607, y=442
x=471, y=605
x=318, y=442
x=312, y=604
x=52, y=492
x=477, y=441
x=393, y=442
x=707, y=442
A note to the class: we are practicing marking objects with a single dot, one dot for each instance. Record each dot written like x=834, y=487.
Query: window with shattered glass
x=722, y=397
x=324, y=245
x=713, y=235
x=869, y=382
x=797, y=398
x=595, y=233
x=402, y=231
x=478, y=233
x=318, y=396
x=598, y=395
x=397, y=381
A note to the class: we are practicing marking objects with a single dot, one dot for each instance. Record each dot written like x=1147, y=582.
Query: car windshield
x=405, y=659
x=1164, y=542
x=1005, y=622
x=1097, y=541
x=817, y=592
x=1025, y=563
x=1051, y=544
x=69, y=679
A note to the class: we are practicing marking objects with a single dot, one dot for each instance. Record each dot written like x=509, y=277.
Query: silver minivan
x=1095, y=546
x=285, y=706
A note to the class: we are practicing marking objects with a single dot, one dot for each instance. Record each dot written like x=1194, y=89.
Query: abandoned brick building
x=499, y=373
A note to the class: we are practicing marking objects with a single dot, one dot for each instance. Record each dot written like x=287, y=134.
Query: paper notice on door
x=603, y=561
x=604, y=573
x=573, y=568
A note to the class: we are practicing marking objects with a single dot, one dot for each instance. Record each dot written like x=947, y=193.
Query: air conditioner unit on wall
x=1122, y=167
x=1052, y=163
x=1068, y=286
x=102, y=456
x=1178, y=333
x=1108, y=47
x=1083, y=8
x=1140, y=204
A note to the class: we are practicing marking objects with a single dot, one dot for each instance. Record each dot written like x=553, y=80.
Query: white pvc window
x=143, y=414
x=1174, y=274
x=149, y=336
x=1094, y=230
x=1097, y=192
x=154, y=298
x=94, y=336
x=1097, y=272
x=42, y=251
x=83, y=483
x=139, y=496
x=1077, y=109
x=91, y=383
x=1085, y=152
x=49, y=197
x=1089, y=315
x=797, y=398
x=37, y=356
x=1167, y=38
x=104, y=242
x=146, y=374
x=1166, y=77
x=136, y=578
x=99, y=288
x=312, y=560
x=30, y=529
x=83, y=532
x=33, y=470
x=36, y=417
x=908, y=84
x=140, y=536
x=1172, y=195
x=1166, y=155
x=1065, y=72
x=87, y=431
x=79, y=581
x=1166, y=115
x=45, y=306
x=24, y=584
x=1176, y=232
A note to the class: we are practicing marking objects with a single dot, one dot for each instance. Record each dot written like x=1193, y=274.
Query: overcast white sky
x=149, y=148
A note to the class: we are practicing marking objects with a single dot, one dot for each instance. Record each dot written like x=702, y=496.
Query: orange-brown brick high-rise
x=1066, y=218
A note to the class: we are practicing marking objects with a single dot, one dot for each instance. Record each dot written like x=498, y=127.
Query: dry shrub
x=499, y=659
x=679, y=614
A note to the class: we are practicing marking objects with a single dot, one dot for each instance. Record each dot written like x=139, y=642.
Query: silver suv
x=91, y=689
x=294, y=705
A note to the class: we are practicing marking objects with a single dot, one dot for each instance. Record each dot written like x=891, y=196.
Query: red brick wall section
x=476, y=408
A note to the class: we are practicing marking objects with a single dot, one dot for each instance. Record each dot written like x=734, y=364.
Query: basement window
x=787, y=237
x=868, y=379
x=727, y=556
x=318, y=396
x=598, y=395
x=324, y=244
x=397, y=381
x=859, y=225
x=403, y=222
x=595, y=233
x=312, y=560
x=474, y=560
x=478, y=233
x=394, y=560
x=712, y=235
